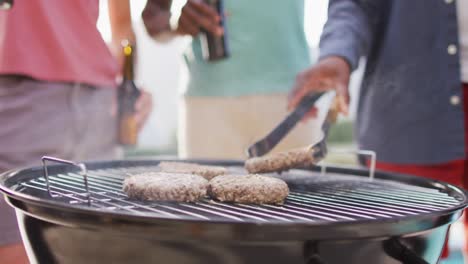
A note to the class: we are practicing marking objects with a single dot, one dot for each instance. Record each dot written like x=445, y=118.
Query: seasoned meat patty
x=208, y=172
x=249, y=189
x=161, y=186
x=280, y=161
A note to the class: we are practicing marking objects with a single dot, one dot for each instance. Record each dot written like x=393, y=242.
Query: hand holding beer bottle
x=205, y=18
x=214, y=46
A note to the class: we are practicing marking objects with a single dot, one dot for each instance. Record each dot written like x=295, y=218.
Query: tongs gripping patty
x=295, y=158
x=266, y=144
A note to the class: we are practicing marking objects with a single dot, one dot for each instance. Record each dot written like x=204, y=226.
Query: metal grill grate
x=324, y=200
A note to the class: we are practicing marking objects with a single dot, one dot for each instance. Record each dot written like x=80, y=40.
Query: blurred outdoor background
x=161, y=70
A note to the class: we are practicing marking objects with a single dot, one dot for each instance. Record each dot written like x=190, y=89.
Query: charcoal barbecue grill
x=79, y=214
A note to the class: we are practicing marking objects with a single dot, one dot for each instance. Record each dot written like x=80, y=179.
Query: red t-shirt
x=55, y=40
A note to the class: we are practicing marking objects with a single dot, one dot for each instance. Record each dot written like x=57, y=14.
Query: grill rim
x=33, y=205
x=283, y=231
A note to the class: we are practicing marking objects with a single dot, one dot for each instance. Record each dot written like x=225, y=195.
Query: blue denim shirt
x=411, y=100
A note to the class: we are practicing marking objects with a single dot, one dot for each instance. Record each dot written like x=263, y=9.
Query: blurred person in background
x=232, y=102
x=57, y=90
x=413, y=104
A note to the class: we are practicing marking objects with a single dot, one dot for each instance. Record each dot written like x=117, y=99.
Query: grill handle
x=81, y=166
x=369, y=153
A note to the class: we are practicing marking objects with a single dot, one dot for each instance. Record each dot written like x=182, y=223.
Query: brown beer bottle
x=215, y=48
x=127, y=94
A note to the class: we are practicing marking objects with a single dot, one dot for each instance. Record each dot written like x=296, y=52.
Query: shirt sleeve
x=348, y=30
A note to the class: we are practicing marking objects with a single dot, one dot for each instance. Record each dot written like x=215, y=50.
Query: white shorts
x=223, y=127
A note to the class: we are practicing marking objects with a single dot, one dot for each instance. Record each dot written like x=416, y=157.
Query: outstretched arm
x=349, y=29
x=346, y=37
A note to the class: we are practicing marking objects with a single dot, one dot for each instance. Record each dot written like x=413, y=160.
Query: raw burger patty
x=161, y=186
x=280, y=161
x=208, y=172
x=249, y=189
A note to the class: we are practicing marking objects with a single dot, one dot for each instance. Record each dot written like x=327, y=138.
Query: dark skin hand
x=330, y=73
x=195, y=16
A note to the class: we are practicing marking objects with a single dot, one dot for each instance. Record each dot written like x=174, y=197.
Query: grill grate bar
x=308, y=213
x=212, y=212
x=423, y=196
x=395, y=195
x=74, y=198
x=96, y=184
x=172, y=208
x=275, y=212
x=136, y=205
x=363, y=204
x=331, y=217
x=414, y=190
x=388, y=200
x=228, y=211
x=350, y=206
x=332, y=212
x=380, y=201
x=117, y=183
x=247, y=210
x=368, y=201
x=343, y=209
x=404, y=188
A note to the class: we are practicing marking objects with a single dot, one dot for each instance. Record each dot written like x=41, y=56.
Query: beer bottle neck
x=128, y=65
x=128, y=73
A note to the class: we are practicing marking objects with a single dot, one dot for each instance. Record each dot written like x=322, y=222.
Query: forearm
x=349, y=29
x=121, y=26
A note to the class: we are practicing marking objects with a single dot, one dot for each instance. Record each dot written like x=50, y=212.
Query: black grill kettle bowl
x=340, y=217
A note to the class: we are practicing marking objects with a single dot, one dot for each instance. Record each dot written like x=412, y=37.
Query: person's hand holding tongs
x=329, y=74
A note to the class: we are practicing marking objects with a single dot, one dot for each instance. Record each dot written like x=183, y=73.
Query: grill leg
x=396, y=249
x=311, y=253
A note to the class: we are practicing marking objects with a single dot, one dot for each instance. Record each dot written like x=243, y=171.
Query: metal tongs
x=319, y=149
